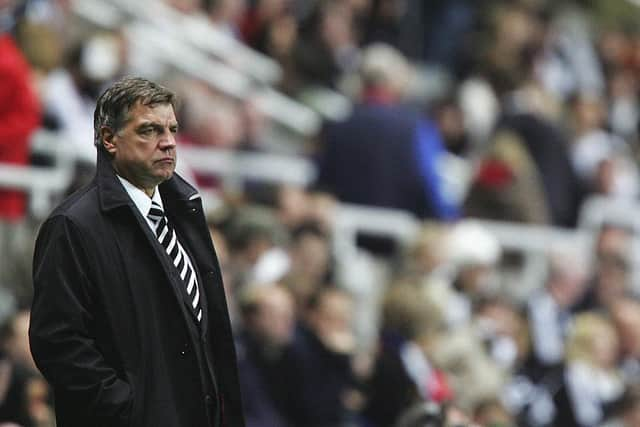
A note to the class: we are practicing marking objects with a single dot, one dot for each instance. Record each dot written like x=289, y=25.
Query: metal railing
x=165, y=37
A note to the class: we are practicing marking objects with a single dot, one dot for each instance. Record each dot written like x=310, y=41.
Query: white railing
x=164, y=37
x=236, y=167
x=533, y=242
x=45, y=185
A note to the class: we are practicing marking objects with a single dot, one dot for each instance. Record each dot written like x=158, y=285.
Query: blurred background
x=426, y=211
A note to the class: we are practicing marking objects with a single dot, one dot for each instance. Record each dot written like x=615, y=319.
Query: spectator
x=19, y=118
x=625, y=314
x=591, y=383
x=404, y=372
x=594, y=149
x=611, y=276
x=310, y=255
x=326, y=48
x=384, y=155
x=71, y=91
x=472, y=256
x=627, y=413
x=492, y=413
x=326, y=386
x=263, y=364
x=550, y=310
x=507, y=185
x=24, y=395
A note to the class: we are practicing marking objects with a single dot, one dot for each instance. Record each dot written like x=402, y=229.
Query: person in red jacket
x=19, y=117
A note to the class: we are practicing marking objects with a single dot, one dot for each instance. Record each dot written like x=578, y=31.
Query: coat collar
x=112, y=195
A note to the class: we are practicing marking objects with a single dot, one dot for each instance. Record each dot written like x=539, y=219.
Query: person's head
x=613, y=268
x=567, y=278
x=504, y=331
x=589, y=112
x=592, y=340
x=474, y=252
x=135, y=123
x=425, y=255
x=625, y=314
x=310, y=251
x=385, y=70
x=491, y=412
x=330, y=309
x=411, y=313
x=15, y=339
x=268, y=313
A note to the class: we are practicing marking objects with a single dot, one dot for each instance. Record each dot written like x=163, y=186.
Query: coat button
x=208, y=400
x=185, y=348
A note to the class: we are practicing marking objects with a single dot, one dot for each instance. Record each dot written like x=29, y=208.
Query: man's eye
x=146, y=131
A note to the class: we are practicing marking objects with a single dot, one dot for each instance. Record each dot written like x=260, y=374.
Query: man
x=129, y=319
x=385, y=154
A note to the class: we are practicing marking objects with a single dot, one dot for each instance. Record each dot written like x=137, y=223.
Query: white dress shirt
x=141, y=200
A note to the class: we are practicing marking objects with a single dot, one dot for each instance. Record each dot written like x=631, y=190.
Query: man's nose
x=167, y=139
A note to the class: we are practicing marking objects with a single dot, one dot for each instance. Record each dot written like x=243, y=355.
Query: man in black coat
x=129, y=319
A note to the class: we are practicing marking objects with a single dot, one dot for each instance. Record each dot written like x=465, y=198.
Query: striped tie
x=169, y=240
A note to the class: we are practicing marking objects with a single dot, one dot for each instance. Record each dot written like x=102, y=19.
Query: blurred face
x=566, y=287
x=293, y=205
x=605, y=348
x=626, y=317
x=632, y=416
x=144, y=150
x=18, y=346
x=274, y=319
x=331, y=321
x=312, y=256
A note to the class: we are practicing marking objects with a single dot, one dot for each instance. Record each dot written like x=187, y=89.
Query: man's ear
x=107, y=137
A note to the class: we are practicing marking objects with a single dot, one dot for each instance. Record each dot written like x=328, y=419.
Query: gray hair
x=112, y=107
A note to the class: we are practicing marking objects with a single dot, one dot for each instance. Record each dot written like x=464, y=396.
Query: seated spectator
x=404, y=372
x=310, y=255
x=550, y=310
x=625, y=315
x=322, y=356
x=24, y=395
x=507, y=185
x=263, y=367
x=612, y=270
x=594, y=149
x=591, y=383
x=492, y=413
x=472, y=255
x=627, y=412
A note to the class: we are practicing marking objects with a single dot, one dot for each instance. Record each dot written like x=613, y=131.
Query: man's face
x=144, y=150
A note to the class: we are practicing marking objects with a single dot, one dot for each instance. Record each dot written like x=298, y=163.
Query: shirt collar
x=139, y=197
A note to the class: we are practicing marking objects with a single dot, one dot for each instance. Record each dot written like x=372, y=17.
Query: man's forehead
x=156, y=113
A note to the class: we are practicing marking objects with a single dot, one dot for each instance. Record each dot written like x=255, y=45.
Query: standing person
x=19, y=117
x=385, y=154
x=129, y=319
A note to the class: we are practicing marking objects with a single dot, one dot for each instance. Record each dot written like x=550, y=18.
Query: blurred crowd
x=508, y=110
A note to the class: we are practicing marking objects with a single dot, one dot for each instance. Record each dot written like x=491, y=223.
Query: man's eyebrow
x=146, y=124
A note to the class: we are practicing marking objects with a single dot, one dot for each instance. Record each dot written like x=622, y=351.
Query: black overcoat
x=110, y=328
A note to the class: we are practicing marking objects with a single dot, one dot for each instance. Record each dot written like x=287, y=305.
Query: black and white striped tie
x=169, y=240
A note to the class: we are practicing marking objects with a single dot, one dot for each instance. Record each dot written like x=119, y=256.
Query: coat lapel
x=113, y=196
